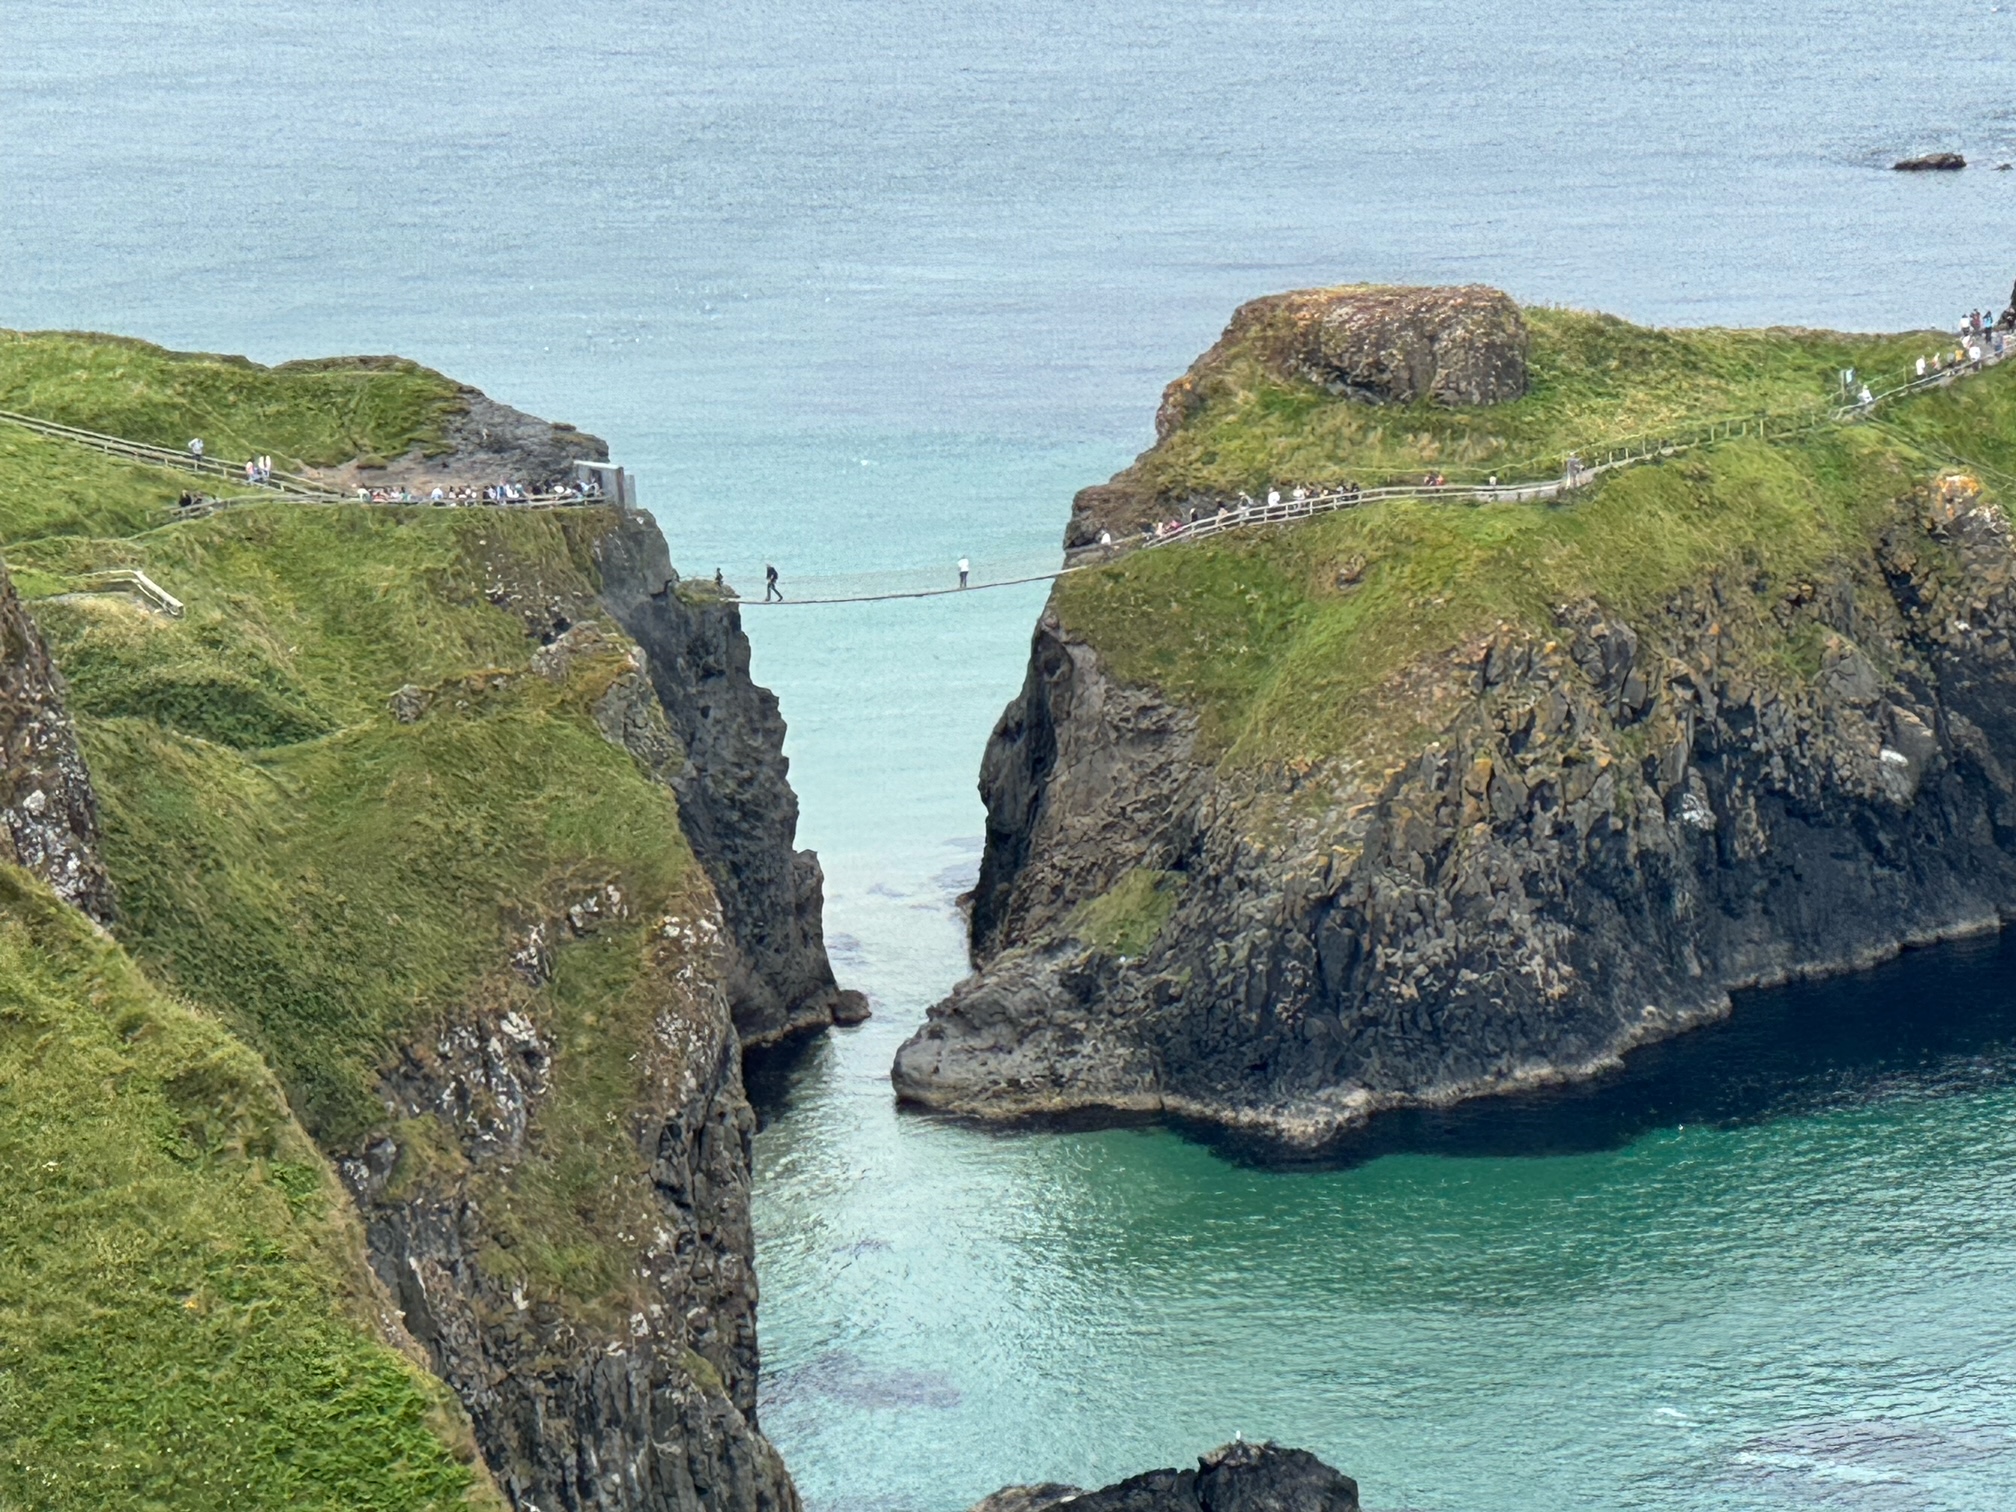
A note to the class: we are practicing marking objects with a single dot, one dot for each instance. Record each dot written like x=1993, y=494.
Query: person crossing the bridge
x=964, y=565
x=770, y=588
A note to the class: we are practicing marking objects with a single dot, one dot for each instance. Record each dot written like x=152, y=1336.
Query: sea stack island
x=1458, y=695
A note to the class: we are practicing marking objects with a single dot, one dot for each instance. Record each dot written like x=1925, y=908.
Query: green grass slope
x=1289, y=641
x=184, y=1313
x=313, y=413
x=324, y=885
x=334, y=883
x=1595, y=381
x=52, y=488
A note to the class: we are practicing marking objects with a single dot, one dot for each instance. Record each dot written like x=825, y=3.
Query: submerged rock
x=1238, y=1477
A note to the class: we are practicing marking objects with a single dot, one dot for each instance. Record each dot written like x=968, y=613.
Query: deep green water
x=879, y=284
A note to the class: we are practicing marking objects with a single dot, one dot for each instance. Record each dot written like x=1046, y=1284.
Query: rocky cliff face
x=50, y=812
x=645, y=1398
x=735, y=796
x=1614, y=825
x=1236, y=1477
x=641, y=1393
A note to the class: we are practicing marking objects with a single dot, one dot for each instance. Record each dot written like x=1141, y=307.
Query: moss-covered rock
x=186, y=1318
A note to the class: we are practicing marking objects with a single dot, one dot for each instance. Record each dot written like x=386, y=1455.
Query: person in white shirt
x=963, y=564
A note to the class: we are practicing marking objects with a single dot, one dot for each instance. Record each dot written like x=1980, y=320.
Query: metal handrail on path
x=125, y=579
x=162, y=456
x=1764, y=426
x=292, y=487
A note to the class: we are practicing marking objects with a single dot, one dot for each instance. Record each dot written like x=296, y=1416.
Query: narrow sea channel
x=879, y=284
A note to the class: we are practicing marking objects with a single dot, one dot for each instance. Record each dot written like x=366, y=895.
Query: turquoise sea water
x=868, y=285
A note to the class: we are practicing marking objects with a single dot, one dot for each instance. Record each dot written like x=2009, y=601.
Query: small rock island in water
x=1236, y=1477
x=1594, y=672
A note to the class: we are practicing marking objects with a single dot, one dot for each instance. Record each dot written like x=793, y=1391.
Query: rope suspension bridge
x=1574, y=471
x=1568, y=474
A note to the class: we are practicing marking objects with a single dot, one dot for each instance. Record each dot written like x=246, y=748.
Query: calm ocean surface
x=876, y=285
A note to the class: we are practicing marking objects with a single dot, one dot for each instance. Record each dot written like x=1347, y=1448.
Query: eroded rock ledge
x=1464, y=346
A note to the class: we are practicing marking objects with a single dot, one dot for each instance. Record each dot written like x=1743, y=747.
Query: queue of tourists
x=1982, y=342
x=469, y=495
x=1249, y=509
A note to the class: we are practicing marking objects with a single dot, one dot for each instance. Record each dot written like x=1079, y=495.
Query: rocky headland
x=1421, y=802
x=472, y=825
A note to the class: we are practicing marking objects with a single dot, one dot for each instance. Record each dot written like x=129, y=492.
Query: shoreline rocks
x=1235, y=1477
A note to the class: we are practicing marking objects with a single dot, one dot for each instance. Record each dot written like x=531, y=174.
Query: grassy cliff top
x=330, y=880
x=1594, y=380
x=185, y=1317
x=316, y=413
x=1290, y=642
x=316, y=876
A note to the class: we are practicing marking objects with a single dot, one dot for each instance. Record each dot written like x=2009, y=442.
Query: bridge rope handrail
x=1764, y=425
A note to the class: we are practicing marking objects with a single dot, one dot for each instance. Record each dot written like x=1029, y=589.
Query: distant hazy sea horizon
x=880, y=285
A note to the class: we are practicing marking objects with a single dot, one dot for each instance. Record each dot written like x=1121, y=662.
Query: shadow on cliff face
x=1934, y=1022
x=772, y=1074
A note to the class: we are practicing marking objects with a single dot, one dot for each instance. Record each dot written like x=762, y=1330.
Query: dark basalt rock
x=650, y=1412
x=1239, y=1477
x=1612, y=827
x=49, y=810
x=1932, y=162
x=735, y=798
